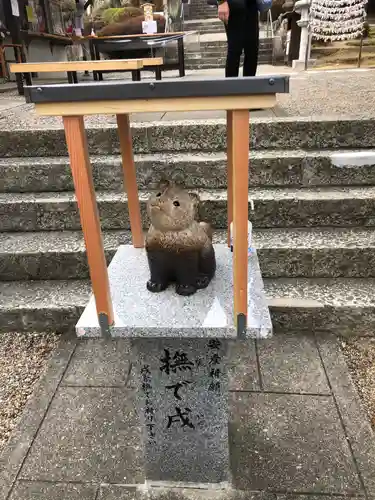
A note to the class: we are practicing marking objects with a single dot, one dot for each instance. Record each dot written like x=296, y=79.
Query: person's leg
x=251, y=45
x=235, y=36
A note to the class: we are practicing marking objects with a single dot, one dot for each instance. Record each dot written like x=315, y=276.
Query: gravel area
x=360, y=357
x=23, y=359
x=313, y=95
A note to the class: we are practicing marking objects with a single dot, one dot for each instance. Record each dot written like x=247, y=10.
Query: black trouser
x=243, y=35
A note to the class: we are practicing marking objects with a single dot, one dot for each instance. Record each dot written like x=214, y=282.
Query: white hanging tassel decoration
x=337, y=19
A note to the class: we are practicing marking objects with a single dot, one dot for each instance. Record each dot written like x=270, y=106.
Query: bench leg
x=130, y=179
x=27, y=78
x=158, y=72
x=88, y=209
x=239, y=149
x=75, y=77
x=181, y=56
x=19, y=80
x=70, y=77
x=136, y=75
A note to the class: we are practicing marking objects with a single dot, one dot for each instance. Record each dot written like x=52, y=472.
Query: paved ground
x=338, y=94
x=296, y=426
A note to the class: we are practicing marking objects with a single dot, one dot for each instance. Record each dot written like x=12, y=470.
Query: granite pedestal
x=180, y=347
x=207, y=313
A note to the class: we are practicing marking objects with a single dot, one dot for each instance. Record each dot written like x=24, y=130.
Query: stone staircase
x=212, y=48
x=199, y=9
x=314, y=216
x=213, y=25
x=212, y=54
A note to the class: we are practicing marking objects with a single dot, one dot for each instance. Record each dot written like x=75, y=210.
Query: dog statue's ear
x=164, y=184
x=195, y=199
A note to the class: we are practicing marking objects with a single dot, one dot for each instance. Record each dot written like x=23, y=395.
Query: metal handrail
x=269, y=23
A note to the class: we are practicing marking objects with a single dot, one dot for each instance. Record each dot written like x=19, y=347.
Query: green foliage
x=112, y=15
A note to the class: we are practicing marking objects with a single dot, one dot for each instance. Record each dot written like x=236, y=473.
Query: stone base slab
x=207, y=313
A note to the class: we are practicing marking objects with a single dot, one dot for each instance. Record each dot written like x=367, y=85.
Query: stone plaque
x=183, y=404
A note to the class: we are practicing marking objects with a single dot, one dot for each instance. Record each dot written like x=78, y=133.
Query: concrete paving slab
x=292, y=364
x=360, y=434
x=101, y=363
x=243, y=366
x=30, y=490
x=88, y=435
x=290, y=443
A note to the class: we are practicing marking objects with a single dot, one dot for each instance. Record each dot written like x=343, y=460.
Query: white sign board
x=149, y=27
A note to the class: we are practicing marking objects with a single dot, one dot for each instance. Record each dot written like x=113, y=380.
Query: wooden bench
x=131, y=42
x=72, y=67
x=148, y=62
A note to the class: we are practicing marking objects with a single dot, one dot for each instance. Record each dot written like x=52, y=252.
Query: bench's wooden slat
x=64, y=66
x=152, y=61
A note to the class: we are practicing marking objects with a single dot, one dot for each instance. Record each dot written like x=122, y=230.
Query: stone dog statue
x=179, y=249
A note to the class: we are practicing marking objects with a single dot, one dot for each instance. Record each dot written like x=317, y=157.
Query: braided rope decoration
x=337, y=19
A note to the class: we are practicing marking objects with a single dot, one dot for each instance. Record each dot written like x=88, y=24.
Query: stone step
x=343, y=306
x=210, y=55
x=222, y=42
x=318, y=252
x=220, y=53
x=214, y=28
x=193, y=24
x=267, y=168
x=202, y=12
x=274, y=207
x=220, y=59
x=211, y=63
x=220, y=46
x=202, y=135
